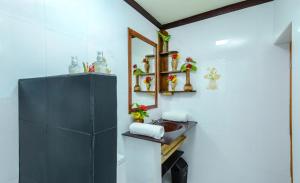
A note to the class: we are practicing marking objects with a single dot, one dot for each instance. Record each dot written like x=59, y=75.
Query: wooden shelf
x=167, y=53
x=147, y=74
x=173, y=92
x=172, y=72
x=150, y=56
x=144, y=91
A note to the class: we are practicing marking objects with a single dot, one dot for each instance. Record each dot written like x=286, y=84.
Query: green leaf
x=194, y=68
x=183, y=68
x=138, y=72
x=165, y=38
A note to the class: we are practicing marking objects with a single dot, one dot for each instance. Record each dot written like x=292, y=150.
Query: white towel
x=153, y=131
x=175, y=116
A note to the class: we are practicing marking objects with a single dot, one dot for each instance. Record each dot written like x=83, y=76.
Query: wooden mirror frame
x=134, y=34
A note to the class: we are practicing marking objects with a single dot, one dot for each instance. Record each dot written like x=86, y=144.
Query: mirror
x=142, y=71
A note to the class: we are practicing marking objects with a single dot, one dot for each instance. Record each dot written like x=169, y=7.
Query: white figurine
x=74, y=67
x=101, y=65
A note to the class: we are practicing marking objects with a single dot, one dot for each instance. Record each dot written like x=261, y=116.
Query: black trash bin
x=180, y=171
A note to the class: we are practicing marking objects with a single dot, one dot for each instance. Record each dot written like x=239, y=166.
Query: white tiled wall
x=243, y=130
x=38, y=37
x=287, y=12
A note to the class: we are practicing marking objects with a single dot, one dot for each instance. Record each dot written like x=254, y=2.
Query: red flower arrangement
x=92, y=68
x=172, y=78
x=140, y=112
x=190, y=64
x=148, y=80
x=143, y=108
x=175, y=56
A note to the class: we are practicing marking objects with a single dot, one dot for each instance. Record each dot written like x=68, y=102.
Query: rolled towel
x=175, y=116
x=153, y=131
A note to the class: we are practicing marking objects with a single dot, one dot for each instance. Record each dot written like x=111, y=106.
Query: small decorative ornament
x=137, y=72
x=175, y=59
x=165, y=38
x=173, y=80
x=140, y=112
x=212, y=76
x=148, y=81
x=188, y=66
x=74, y=67
x=146, y=65
x=101, y=64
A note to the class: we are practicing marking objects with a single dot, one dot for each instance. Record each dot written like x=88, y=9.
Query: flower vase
x=212, y=85
x=137, y=84
x=147, y=67
x=165, y=47
x=139, y=120
x=148, y=86
x=188, y=87
x=173, y=86
x=174, y=64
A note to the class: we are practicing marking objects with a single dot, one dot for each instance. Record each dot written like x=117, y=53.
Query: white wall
x=243, y=130
x=37, y=38
x=286, y=12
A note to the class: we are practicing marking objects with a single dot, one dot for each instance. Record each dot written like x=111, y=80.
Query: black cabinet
x=68, y=129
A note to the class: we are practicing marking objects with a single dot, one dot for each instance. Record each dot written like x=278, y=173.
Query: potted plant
x=175, y=58
x=148, y=81
x=188, y=66
x=140, y=112
x=173, y=80
x=165, y=38
x=146, y=65
x=137, y=72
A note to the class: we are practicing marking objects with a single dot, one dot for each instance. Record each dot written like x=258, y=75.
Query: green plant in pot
x=137, y=72
x=188, y=67
x=165, y=38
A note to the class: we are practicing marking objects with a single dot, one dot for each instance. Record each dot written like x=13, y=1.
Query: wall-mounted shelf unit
x=164, y=70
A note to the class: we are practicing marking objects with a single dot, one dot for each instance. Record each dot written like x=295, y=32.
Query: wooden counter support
x=168, y=150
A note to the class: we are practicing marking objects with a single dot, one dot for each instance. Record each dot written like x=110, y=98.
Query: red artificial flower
x=92, y=68
x=143, y=108
x=174, y=56
x=189, y=66
x=189, y=59
x=135, y=66
x=148, y=79
x=170, y=77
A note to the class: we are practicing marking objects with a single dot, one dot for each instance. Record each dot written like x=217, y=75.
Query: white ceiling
x=166, y=11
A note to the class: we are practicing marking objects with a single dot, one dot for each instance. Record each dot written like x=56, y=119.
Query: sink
x=172, y=129
x=171, y=126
